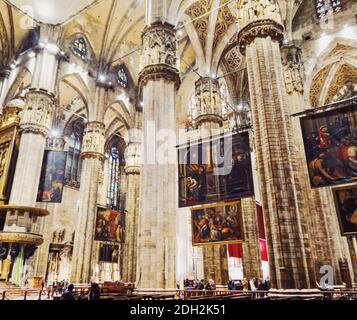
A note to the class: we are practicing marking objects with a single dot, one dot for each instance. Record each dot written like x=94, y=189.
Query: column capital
x=37, y=114
x=159, y=54
x=93, y=141
x=208, y=101
x=260, y=29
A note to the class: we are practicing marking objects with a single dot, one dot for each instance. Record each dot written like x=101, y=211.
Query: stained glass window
x=74, y=163
x=115, y=198
x=80, y=48
x=123, y=77
x=327, y=7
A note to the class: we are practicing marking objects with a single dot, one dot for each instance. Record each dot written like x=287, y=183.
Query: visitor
x=245, y=285
x=94, y=293
x=231, y=285
x=69, y=293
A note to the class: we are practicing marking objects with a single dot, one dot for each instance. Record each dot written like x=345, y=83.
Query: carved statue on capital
x=37, y=114
x=254, y=10
x=208, y=100
x=159, y=58
x=291, y=59
x=93, y=141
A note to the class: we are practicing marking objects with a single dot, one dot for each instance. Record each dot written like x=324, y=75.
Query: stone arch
x=22, y=81
x=335, y=68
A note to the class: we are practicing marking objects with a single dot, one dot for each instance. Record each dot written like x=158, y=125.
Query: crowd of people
x=66, y=291
x=245, y=285
x=199, y=285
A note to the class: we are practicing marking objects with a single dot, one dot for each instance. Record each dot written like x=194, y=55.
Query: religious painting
x=215, y=170
x=110, y=226
x=219, y=224
x=346, y=207
x=330, y=140
x=109, y=253
x=9, y=140
x=52, y=177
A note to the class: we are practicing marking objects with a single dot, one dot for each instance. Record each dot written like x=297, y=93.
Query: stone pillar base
x=294, y=293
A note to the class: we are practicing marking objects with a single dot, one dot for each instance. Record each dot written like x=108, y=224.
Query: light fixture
x=52, y=48
x=31, y=54
x=55, y=133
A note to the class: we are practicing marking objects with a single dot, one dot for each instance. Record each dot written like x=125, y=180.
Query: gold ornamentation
x=19, y=237
x=260, y=29
x=345, y=74
x=317, y=85
x=197, y=10
x=22, y=209
x=224, y=20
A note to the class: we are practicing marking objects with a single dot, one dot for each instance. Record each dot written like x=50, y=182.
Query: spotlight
x=52, y=48
x=55, y=133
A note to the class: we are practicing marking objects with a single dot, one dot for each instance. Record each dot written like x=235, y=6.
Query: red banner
x=263, y=250
x=235, y=250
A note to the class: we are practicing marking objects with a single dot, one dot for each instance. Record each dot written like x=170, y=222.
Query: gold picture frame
x=225, y=234
x=345, y=199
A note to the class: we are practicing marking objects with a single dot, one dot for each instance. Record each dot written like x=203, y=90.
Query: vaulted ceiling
x=206, y=28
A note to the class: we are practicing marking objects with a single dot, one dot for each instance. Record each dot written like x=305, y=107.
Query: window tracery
x=115, y=196
x=74, y=162
x=327, y=7
x=80, y=48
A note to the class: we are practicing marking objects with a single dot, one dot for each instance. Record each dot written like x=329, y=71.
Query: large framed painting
x=110, y=226
x=219, y=224
x=52, y=177
x=9, y=142
x=330, y=140
x=346, y=207
x=108, y=253
x=215, y=170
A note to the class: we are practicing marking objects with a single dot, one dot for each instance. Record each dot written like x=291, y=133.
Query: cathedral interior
x=114, y=114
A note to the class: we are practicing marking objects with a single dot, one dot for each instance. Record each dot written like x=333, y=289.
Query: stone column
x=36, y=119
x=93, y=159
x=324, y=234
x=251, y=248
x=291, y=265
x=4, y=75
x=159, y=79
x=132, y=171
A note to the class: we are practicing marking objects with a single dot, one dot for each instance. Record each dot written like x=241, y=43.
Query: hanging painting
x=217, y=224
x=52, y=177
x=330, y=140
x=109, y=253
x=346, y=207
x=215, y=170
x=110, y=226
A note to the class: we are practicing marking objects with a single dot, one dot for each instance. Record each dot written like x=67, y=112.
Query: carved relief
x=159, y=55
x=36, y=116
x=198, y=9
x=292, y=69
x=317, y=85
x=224, y=21
x=93, y=141
x=159, y=47
x=254, y=10
x=208, y=100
